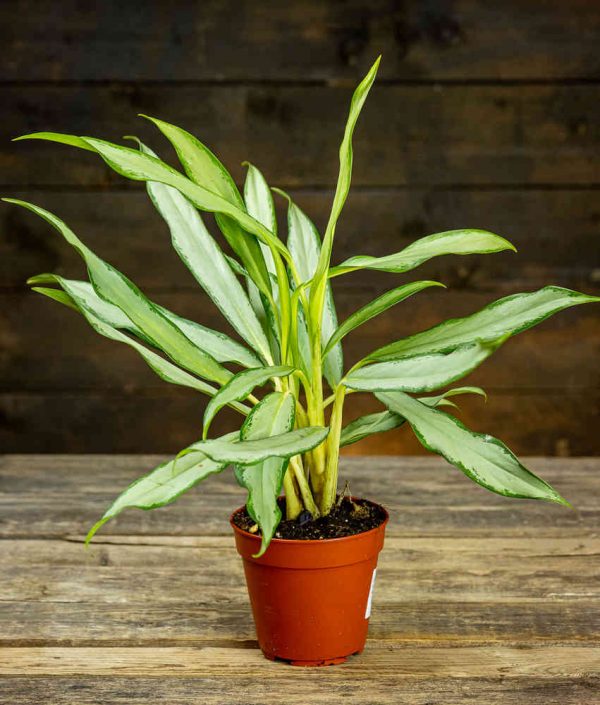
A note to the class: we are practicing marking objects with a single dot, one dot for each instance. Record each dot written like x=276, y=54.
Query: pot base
x=312, y=664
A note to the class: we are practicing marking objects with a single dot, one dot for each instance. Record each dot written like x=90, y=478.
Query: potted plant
x=310, y=575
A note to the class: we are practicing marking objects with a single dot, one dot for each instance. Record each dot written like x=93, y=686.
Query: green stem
x=329, y=491
x=300, y=477
x=293, y=505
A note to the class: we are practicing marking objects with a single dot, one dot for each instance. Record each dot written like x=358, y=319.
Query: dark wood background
x=484, y=115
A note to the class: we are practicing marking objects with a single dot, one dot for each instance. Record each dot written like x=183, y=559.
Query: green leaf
x=72, y=297
x=486, y=460
x=205, y=260
x=273, y=416
x=304, y=245
x=421, y=373
x=199, y=162
x=284, y=445
x=368, y=425
x=380, y=304
x=219, y=345
x=387, y=420
x=259, y=203
x=452, y=242
x=71, y=140
x=341, y=192
x=239, y=387
x=134, y=165
x=215, y=343
x=162, y=485
x=56, y=295
x=507, y=316
x=113, y=286
x=204, y=168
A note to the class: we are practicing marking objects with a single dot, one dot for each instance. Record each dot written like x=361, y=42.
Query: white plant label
x=370, y=600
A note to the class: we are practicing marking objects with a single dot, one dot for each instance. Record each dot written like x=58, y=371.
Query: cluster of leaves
x=277, y=297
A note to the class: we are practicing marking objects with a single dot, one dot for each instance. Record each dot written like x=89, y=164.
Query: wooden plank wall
x=485, y=115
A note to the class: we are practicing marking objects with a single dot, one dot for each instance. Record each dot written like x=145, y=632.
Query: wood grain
x=397, y=661
x=312, y=689
x=301, y=40
x=473, y=604
x=58, y=497
x=482, y=116
x=408, y=135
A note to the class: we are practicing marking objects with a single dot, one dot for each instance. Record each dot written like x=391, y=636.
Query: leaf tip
x=263, y=547
x=558, y=499
x=23, y=137
x=281, y=192
x=90, y=534
x=508, y=243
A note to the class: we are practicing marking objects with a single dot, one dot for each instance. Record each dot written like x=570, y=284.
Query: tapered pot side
x=311, y=600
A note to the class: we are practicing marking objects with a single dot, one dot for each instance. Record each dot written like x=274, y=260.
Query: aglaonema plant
x=277, y=296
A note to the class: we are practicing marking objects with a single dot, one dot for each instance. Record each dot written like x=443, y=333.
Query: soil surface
x=349, y=517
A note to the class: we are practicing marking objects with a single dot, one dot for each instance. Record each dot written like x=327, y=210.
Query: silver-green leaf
x=507, y=316
x=205, y=169
x=274, y=415
x=375, y=307
x=220, y=346
x=162, y=485
x=209, y=266
x=451, y=242
x=113, y=286
x=304, y=245
x=486, y=460
x=284, y=445
x=382, y=421
x=239, y=387
x=420, y=373
x=70, y=296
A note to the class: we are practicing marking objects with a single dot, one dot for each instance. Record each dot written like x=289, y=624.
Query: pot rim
x=320, y=542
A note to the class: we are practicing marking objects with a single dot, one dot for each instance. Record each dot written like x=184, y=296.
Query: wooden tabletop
x=479, y=599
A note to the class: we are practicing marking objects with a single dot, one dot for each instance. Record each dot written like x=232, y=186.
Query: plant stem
x=293, y=505
x=329, y=490
x=331, y=398
x=307, y=498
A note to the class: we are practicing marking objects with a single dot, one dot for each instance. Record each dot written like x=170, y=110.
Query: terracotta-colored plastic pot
x=311, y=600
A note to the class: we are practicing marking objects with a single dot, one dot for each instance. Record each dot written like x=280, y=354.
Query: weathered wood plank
x=481, y=135
x=424, y=479
x=397, y=661
x=230, y=623
x=58, y=496
x=310, y=688
x=555, y=231
x=302, y=40
x=459, y=570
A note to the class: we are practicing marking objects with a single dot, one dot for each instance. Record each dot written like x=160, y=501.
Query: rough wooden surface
x=479, y=599
x=485, y=115
x=300, y=40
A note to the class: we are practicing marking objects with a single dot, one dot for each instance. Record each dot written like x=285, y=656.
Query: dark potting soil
x=349, y=517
